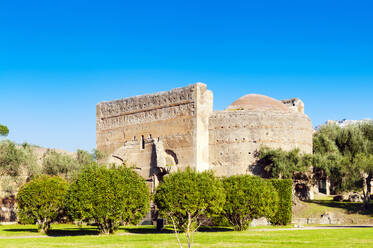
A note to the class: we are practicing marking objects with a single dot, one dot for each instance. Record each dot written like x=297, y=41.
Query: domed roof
x=258, y=103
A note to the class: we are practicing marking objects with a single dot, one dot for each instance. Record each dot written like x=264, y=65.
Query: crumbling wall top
x=294, y=104
x=132, y=105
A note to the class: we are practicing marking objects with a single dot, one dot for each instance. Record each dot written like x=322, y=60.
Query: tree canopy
x=42, y=201
x=248, y=198
x=4, y=131
x=284, y=164
x=18, y=163
x=185, y=197
x=345, y=155
x=109, y=196
x=66, y=165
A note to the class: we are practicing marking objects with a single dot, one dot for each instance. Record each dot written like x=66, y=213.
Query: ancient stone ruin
x=171, y=130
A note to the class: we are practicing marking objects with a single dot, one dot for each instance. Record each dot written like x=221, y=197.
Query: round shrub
x=248, y=198
x=42, y=201
x=188, y=195
x=109, y=196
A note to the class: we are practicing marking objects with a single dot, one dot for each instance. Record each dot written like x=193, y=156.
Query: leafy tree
x=109, y=196
x=367, y=129
x=55, y=163
x=99, y=156
x=248, y=198
x=322, y=144
x=331, y=166
x=365, y=163
x=329, y=130
x=30, y=161
x=351, y=141
x=11, y=159
x=17, y=164
x=345, y=155
x=41, y=200
x=84, y=158
x=284, y=164
x=185, y=197
x=4, y=131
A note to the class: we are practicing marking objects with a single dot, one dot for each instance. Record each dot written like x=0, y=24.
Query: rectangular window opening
x=142, y=142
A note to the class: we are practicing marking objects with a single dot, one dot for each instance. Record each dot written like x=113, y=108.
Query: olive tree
x=41, y=200
x=56, y=163
x=18, y=163
x=185, y=197
x=11, y=159
x=248, y=198
x=345, y=155
x=284, y=164
x=109, y=196
x=365, y=166
x=84, y=158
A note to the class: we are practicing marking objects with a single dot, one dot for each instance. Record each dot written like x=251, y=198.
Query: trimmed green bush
x=42, y=200
x=283, y=215
x=109, y=196
x=248, y=198
x=185, y=197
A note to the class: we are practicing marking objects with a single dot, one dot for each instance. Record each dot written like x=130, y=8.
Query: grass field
x=347, y=212
x=71, y=236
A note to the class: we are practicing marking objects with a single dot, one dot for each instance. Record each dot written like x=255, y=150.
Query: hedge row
x=248, y=198
x=252, y=197
x=108, y=196
x=114, y=196
x=284, y=212
x=191, y=196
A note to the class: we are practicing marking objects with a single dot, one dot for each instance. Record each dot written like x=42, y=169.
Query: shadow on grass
x=59, y=232
x=32, y=230
x=214, y=229
x=152, y=230
x=350, y=207
x=72, y=232
x=145, y=230
x=75, y=231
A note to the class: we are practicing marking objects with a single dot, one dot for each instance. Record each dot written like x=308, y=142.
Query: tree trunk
x=103, y=227
x=367, y=191
x=188, y=231
x=43, y=225
x=176, y=233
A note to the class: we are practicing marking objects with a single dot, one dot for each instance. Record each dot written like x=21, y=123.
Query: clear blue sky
x=58, y=59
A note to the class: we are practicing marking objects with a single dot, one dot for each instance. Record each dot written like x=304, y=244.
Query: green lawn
x=347, y=212
x=70, y=236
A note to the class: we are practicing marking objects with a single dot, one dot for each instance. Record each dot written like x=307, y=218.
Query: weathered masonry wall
x=235, y=137
x=177, y=118
x=179, y=128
